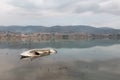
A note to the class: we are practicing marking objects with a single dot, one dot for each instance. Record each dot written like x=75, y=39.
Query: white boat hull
x=38, y=52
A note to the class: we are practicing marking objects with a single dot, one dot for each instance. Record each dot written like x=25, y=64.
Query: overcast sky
x=99, y=13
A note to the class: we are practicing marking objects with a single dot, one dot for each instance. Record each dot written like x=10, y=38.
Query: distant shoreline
x=55, y=36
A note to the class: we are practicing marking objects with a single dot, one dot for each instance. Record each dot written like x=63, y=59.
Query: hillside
x=61, y=29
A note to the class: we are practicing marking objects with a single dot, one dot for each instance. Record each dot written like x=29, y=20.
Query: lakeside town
x=36, y=36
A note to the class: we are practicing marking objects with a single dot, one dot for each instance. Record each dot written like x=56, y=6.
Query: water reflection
x=26, y=57
x=58, y=44
x=76, y=60
x=32, y=57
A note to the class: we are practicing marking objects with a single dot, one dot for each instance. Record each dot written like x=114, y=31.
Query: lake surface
x=75, y=60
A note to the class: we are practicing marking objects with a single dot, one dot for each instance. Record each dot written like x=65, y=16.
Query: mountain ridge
x=60, y=29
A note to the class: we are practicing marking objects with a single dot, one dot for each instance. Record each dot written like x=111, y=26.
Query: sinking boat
x=37, y=53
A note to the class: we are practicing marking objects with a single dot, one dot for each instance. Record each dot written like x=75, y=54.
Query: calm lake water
x=75, y=60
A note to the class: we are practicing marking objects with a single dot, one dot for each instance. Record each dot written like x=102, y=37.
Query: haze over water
x=75, y=60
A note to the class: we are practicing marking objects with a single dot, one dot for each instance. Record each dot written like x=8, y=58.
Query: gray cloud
x=23, y=4
x=60, y=12
x=86, y=7
x=112, y=7
x=74, y=6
